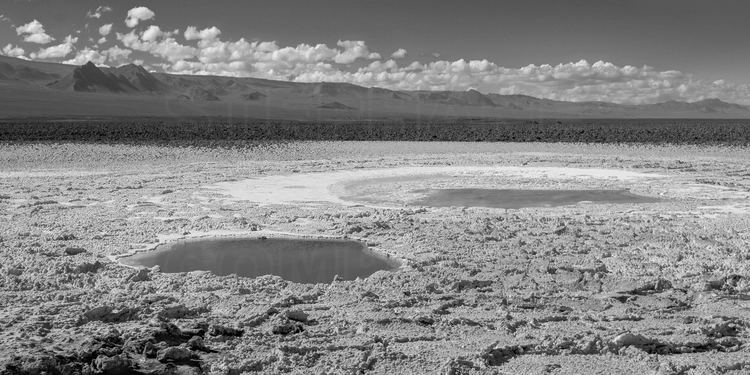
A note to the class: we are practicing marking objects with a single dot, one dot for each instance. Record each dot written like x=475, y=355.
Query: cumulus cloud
x=399, y=54
x=33, y=32
x=59, y=51
x=13, y=51
x=114, y=56
x=211, y=33
x=152, y=33
x=353, y=50
x=4, y=18
x=157, y=43
x=85, y=55
x=117, y=56
x=105, y=29
x=138, y=14
x=100, y=10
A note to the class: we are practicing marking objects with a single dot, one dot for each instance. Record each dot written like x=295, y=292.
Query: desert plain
x=652, y=288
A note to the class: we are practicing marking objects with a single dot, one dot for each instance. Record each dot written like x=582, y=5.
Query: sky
x=624, y=51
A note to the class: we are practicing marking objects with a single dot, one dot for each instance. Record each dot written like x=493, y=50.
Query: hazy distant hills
x=30, y=89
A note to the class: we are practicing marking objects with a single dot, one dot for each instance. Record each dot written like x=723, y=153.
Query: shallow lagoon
x=519, y=198
x=298, y=260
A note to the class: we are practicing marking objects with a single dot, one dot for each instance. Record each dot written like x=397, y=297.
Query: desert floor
x=588, y=288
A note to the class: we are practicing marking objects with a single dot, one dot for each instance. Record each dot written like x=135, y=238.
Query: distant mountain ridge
x=161, y=94
x=129, y=78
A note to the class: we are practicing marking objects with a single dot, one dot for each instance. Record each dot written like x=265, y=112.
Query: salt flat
x=613, y=288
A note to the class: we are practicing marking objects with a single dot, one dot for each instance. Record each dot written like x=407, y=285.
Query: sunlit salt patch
x=171, y=218
x=704, y=191
x=49, y=173
x=321, y=187
x=734, y=209
x=156, y=200
x=299, y=260
x=79, y=203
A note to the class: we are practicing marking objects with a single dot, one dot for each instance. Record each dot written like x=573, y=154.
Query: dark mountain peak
x=130, y=78
x=89, y=77
x=89, y=66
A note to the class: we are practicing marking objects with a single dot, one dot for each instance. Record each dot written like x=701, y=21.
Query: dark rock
x=174, y=311
x=370, y=296
x=119, y=364
x=150, y=350
x=181, y=370
x=108, y=314
x=470, y=284
x=656, y=286
x=727, y=283
x=722, y=329
x=196, y=343
x=88, y=267
x=629, y=339
x=174, y=354
x=287, y=328
x=218, y=330
x=458, y=366
x=170, y=334
x=498, y=355
x=142, y=274
x=297, y=315
x=74, y=250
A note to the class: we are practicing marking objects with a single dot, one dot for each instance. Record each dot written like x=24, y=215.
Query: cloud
x=100, y=10
x=105, y=29
x=112, y=57
x=85, y=55
x=399, y=54
x=102, y=40
x=56, y=52
x=353, y=50
x=4, y=18
x=138, y=14
x=13, y=51
x=33, y=32
x=152, y=33
x=192, y=33
x=118, y=56
x=158, y=43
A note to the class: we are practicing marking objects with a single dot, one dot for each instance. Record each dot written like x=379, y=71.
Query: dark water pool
x=519, y=198
x=298, y=260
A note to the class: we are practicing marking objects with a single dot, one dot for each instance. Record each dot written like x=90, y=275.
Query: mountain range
x=39, y=89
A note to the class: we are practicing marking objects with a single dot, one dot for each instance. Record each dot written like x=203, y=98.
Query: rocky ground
x=660, y=288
